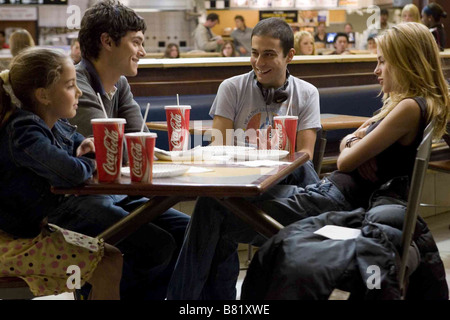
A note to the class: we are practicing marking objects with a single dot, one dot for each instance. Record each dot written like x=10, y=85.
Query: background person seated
x=372, y=45
x=340, y=44
x=304, y=43
x=228, y=49
x=75, y=51
x=410, y=13
x=172, y=51
x=19, y=40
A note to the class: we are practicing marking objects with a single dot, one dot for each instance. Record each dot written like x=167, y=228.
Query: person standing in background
x=375, y=29
x=431, y=17
x=204, y=38
x=320, y=37
x=242, y=37
x=3, y=44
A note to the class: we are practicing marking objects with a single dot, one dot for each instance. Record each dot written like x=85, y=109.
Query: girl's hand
x=85, y=147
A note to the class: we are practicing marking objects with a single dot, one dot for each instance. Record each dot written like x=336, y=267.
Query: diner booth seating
x=360, y=100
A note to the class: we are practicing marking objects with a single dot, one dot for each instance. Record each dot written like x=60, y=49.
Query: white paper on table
x=261, y=163
x=338, y=232
x=199, y=170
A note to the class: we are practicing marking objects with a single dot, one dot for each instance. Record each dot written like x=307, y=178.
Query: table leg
x=261, y=221
x=142, y=215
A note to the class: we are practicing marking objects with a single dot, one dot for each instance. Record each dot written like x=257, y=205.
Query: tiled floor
x=439, y=226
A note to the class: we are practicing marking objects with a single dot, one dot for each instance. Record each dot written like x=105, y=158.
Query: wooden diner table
x=329, y=122
x=230, y=184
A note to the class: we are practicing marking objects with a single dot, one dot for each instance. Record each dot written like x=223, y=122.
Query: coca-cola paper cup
x=286, y=131
x=141, y=146
x=178, y=126
x=108, y=140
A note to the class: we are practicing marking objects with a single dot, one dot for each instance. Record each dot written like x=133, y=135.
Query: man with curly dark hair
x=112, y=42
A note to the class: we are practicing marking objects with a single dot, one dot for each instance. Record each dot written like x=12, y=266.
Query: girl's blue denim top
x=33, y=158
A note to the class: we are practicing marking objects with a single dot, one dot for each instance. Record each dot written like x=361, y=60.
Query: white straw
x=145, y=117
x=101, y=103
x=289, y=107
x=178, y=100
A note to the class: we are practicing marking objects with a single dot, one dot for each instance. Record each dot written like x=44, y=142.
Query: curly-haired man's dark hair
x=109, y=17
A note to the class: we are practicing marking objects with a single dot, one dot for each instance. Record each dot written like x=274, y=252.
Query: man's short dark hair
x=213, y=17
x=340, y=34
x=109, y=17
x=384, y=12
x=278, y=29
x=240, y=18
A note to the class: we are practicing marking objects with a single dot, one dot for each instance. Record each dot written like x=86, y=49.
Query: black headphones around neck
x=272, y=95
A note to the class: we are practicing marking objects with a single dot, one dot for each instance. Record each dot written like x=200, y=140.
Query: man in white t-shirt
x=208, y=266
x=241, y=103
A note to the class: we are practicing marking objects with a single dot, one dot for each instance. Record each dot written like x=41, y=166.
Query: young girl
x=383, y=148
x=38, y=150
x=409, y=70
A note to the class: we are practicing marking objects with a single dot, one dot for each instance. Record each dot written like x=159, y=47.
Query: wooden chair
x=319, y=150
x=410, y=256
x=440, y=161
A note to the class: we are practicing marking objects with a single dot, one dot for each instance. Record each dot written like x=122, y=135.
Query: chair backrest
x=446, y=136
x=319, y=150
x=415, y=193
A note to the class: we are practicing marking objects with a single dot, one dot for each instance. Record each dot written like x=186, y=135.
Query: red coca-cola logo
x=136, y=153
x=177, y=132
x=281, y=135
x=111, y=143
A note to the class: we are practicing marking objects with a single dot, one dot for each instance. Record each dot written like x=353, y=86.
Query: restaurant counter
x=165, y=77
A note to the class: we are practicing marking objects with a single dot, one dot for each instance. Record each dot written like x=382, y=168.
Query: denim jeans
x=149, y=253
x=208, y=265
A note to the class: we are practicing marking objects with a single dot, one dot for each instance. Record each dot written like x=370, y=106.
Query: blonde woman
x=410, y=13
x=304, y=43
x=19, y=40
x=376, y=157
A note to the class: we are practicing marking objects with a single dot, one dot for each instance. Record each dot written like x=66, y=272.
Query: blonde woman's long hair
x=413, y=55
x=298, y=36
